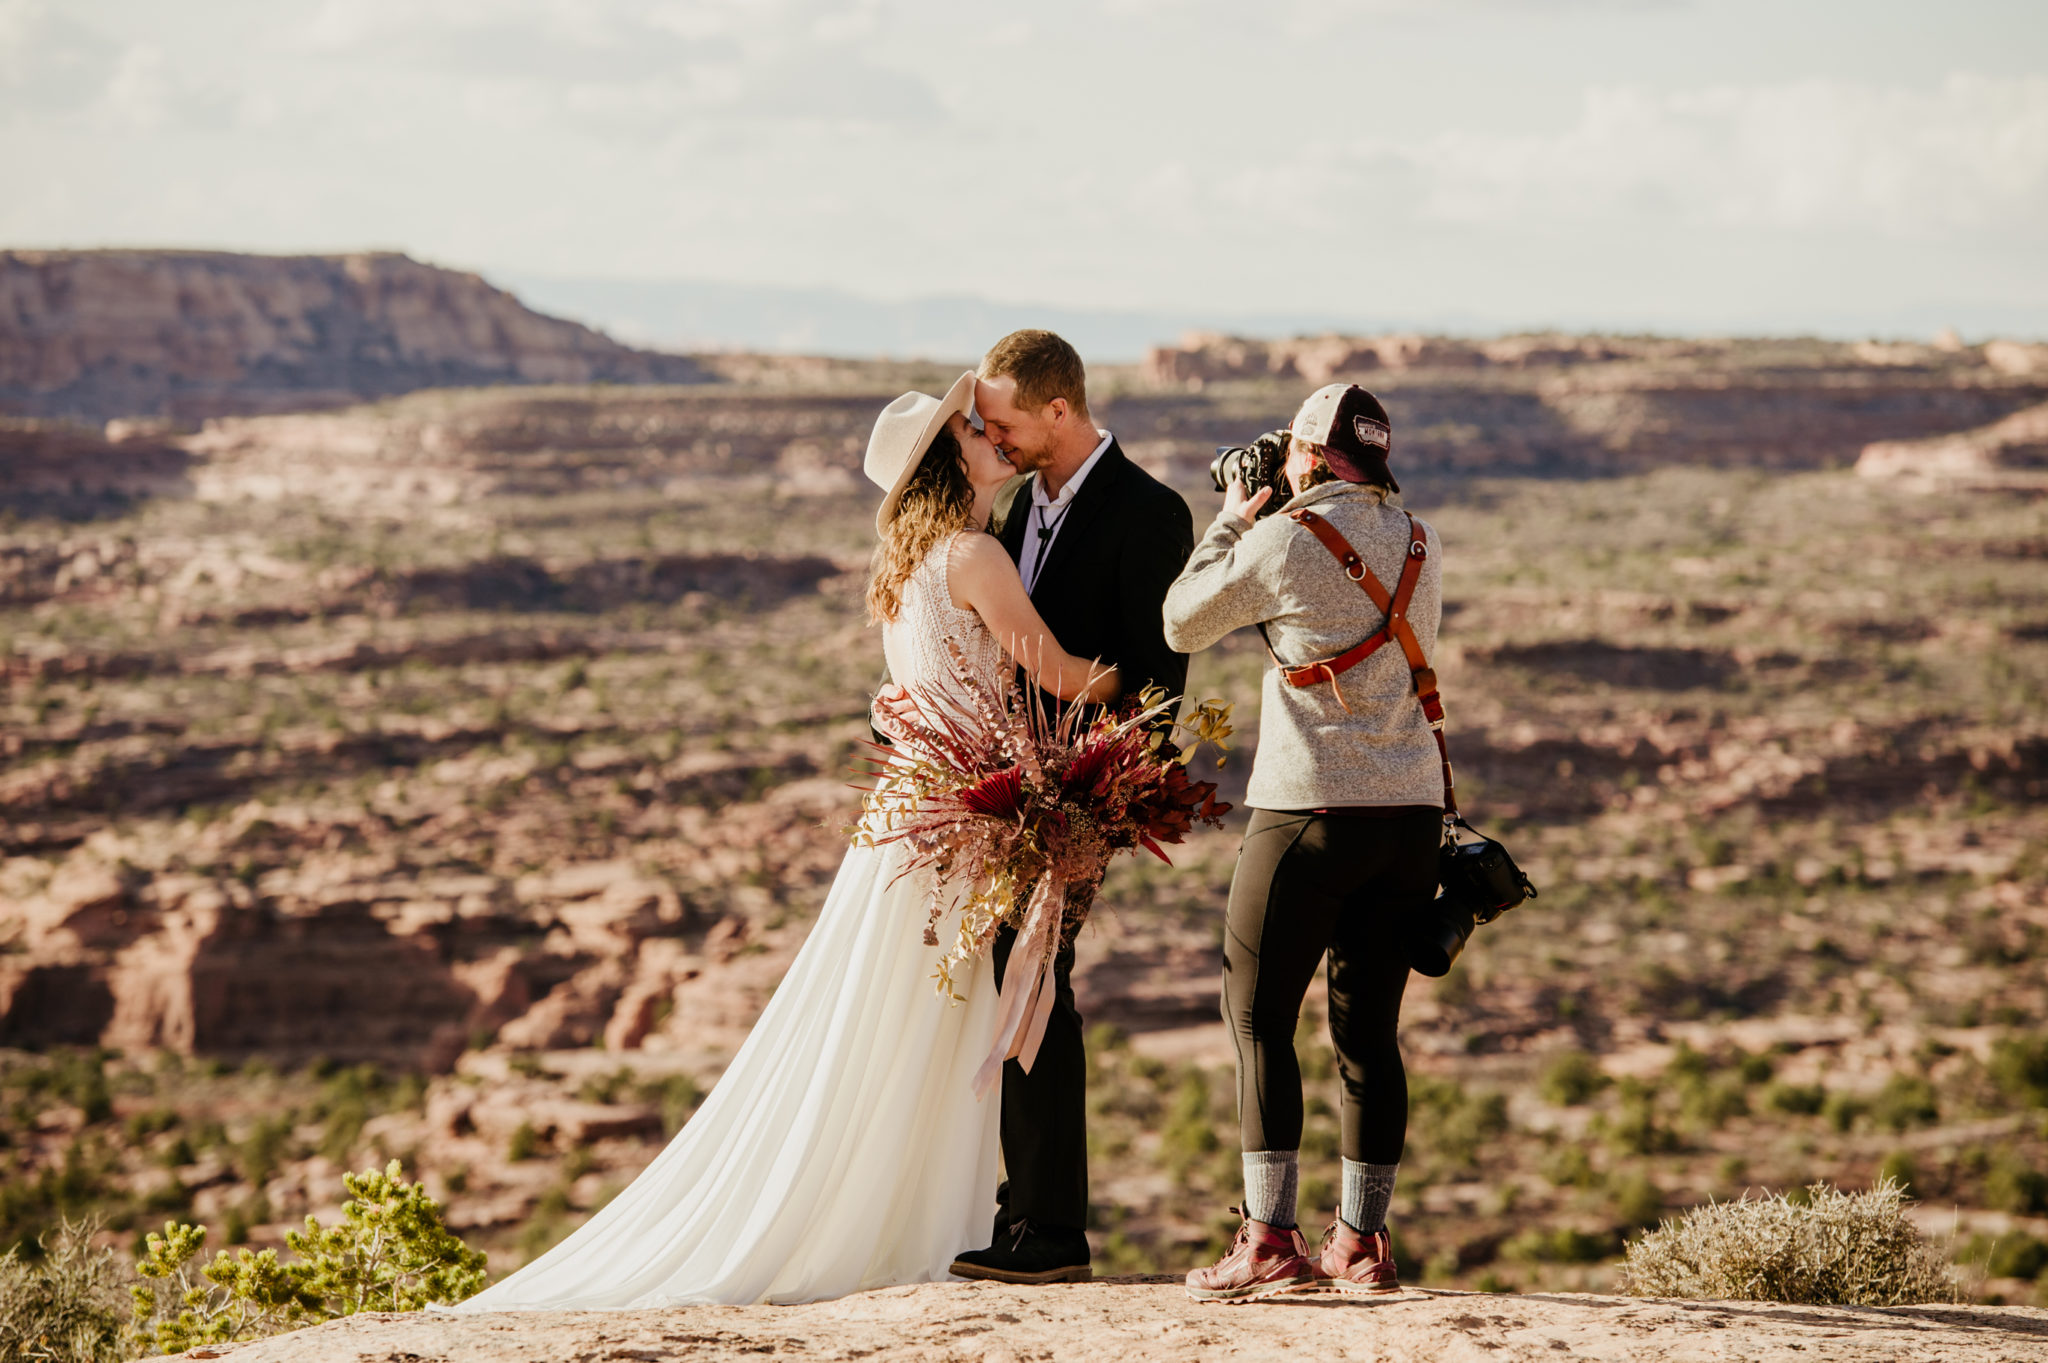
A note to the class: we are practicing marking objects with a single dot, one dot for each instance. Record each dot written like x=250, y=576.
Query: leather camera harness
x=1480, y=879
x=1396, y=627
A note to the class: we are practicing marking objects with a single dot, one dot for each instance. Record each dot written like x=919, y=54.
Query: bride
x=844, y=1148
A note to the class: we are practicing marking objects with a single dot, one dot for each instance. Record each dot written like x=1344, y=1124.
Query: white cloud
x=1526, y=158
x=1969, y=154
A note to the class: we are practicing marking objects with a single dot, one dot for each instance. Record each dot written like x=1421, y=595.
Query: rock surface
x=100, y=334
x=2011, y=454
x=1140, y=1318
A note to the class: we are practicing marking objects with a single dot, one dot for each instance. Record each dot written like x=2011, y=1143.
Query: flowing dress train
x=844, y=1147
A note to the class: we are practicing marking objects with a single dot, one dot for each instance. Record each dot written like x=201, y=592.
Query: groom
x=1097, y=541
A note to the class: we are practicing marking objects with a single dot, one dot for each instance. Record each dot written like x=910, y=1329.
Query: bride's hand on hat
x=1245, y=504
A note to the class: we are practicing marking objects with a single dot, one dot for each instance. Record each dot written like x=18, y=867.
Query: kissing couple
x=845, y=1146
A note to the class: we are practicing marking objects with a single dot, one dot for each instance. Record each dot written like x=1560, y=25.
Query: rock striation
x=1136, y=1318
x=101, y=334
x=2008, y=454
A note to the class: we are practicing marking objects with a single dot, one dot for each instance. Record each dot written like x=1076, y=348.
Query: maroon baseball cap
x=1352, y=428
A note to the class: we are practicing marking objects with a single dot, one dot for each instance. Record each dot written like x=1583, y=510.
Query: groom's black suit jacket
x=1101, y=591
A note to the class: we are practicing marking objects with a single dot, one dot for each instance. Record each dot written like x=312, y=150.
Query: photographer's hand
x=1242, y=504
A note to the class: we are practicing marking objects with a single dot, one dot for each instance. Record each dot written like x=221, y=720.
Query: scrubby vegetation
x=64, y=1305
x=1829, y=1249
x=390, y=1252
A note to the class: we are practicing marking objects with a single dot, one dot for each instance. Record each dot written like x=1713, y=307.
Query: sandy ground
x=1146, y=1318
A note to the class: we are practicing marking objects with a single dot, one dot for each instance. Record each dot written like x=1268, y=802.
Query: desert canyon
x=428, y=729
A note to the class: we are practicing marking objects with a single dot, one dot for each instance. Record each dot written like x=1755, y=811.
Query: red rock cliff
x=97, y=334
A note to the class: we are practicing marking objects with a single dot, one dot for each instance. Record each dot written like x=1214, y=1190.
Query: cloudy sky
x=1678, y=165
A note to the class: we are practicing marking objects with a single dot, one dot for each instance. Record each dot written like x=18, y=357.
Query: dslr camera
x=1477, y=883
x=1263, y=463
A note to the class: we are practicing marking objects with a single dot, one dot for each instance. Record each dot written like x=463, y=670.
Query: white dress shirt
x=1048, y=514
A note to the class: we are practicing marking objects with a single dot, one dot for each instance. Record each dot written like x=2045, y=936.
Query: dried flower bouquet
x=1016, y=804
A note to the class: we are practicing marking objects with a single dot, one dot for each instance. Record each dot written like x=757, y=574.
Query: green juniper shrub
x=1638, y=1201
x=1189, y=1135
x=1844, y=1110
x=264, y=1149
x=2014, y=1185
x=1451, y=1124
x=1559, y=1245
x=1905, y=1101
x=524, y=1143
x=1633, y=1128
x=2016, y=1255
x=1571, y=1079
x=391, y=1251
x=1800, y=1100
x=606, y=1088
x=1711, y=1103
x=677, y=1095
x=1569, y=1167
x=1899, y=1168
x=2019, y=1067
x=1754, y=1069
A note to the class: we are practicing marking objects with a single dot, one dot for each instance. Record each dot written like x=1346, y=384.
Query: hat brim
x=959, y=398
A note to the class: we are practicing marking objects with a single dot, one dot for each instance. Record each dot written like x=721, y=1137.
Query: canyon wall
x=98, y=334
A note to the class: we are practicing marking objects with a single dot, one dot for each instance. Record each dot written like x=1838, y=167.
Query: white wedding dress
x=844, y=1148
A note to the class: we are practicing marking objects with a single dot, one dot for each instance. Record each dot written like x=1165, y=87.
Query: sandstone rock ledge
x=1124, y=1319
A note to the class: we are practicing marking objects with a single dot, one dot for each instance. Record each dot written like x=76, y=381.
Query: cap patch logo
x=1373, y=433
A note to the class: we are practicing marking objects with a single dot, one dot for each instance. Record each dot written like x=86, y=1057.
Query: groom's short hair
x=1044, y=367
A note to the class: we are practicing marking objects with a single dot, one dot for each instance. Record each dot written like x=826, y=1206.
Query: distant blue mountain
x=700, y=316
x=693, y=315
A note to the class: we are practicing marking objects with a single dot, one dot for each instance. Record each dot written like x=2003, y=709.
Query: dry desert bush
x=1833, y=1249
x=64, y=1305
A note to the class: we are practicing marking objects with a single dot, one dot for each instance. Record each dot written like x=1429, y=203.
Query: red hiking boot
x=1264, y=1262
x=1352, y=1262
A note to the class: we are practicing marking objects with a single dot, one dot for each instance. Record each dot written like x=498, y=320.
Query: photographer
x=1347, y=796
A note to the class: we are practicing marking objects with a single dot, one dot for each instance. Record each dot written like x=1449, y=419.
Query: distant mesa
x=94, y=335
x=1207, y=356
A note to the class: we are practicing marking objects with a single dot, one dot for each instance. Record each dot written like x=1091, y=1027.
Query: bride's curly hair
x=937, y=501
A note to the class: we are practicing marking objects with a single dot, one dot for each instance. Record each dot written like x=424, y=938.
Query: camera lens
x=1227, y=466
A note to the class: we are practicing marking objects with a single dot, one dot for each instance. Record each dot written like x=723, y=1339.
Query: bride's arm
x=984, y=579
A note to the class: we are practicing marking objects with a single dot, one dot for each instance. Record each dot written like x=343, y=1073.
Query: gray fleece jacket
x=1312, y=753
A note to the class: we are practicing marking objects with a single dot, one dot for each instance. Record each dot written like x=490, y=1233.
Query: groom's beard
x=1029, y=461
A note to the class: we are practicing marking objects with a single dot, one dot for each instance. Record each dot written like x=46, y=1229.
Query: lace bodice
x=915, y=641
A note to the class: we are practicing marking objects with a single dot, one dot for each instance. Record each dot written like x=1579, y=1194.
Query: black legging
x=1306, y=884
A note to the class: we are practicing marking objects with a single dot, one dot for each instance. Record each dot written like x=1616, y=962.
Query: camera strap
x=1394, y=606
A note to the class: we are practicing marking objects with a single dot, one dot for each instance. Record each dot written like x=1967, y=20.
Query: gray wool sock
x=1368, y=1188
x=1270, y=1180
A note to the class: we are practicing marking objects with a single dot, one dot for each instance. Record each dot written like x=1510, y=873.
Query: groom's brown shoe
x=1027, y=1253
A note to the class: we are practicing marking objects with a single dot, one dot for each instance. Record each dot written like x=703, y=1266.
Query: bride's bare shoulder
x=977, y=563
x=976, y=552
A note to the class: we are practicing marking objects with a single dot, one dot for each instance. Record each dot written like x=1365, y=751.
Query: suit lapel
x=1089, y=502
x=1010, y=514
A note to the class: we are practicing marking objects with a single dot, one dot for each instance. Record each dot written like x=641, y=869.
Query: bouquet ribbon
x=1028, y=991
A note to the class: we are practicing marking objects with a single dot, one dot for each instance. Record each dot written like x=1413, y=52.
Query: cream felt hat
x=903, y=432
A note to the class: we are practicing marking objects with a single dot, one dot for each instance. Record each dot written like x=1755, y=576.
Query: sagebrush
x=1836, y=1249
x=65, y=1306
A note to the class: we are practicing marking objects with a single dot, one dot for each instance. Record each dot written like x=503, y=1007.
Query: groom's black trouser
x=1045, y=1114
